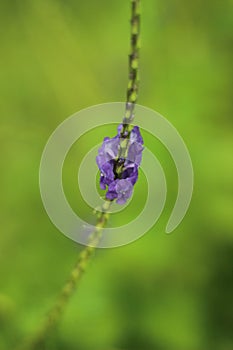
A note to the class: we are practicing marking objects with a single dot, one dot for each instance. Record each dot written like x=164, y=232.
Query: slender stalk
x=133, y=81
x=55, y=314
x=133, y=75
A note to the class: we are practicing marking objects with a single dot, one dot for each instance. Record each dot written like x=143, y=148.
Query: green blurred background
x=162, y=292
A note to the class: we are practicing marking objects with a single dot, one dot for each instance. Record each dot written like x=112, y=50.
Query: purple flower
x=121, y=189
x=135, y=135
x=136, y=142
x=130, y=172
x=107, y=174
x=135, y=153
x=120, y=186
x=108, y=150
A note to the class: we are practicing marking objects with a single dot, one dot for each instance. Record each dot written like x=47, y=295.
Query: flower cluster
x=120, y=185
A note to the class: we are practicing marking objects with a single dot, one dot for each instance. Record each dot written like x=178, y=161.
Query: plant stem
x=133, y=77
x=133, y=80
x=55, y=314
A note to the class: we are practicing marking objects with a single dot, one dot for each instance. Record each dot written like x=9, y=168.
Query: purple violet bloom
x=130, y=171
x=108, y=151
x=135, y=135
x=107, y=174
x=120, y=186
x=135, y=153
x=121, y=189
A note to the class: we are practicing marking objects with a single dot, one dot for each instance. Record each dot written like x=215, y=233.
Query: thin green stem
x=133, y=75
x=133, y=81
x=132, y=90
x=55, y=314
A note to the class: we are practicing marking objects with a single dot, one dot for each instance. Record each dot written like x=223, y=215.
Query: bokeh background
x=162, y=292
